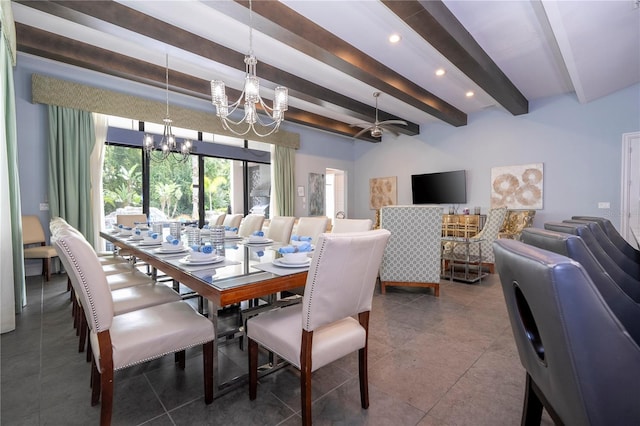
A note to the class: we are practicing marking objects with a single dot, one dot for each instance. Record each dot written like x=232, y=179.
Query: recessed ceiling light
x=440, y=72
x=394, y=38
x=469, y=94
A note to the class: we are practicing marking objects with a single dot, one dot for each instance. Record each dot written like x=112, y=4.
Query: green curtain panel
x=71, y=140
x=12, y=267
x=283, y=172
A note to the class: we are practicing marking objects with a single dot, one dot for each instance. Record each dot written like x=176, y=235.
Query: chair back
x=131, y=220
x=232, y=220
x=342, y=276
x=413, y=252
x=351, y=225
x=90, y=280
x=614, y=235
x=32, y=231
x=55, y=223
x=617, y=264
x=573, y=246
x=561, y=324
x=250, y=224
x=280, y=229
x=495, y=220
x=311, y=227
x=217, y=219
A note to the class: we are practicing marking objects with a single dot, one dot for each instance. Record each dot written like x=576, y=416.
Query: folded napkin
x=230, y=229
x=302, y=248
x=258, y=234
x=136, y=231
x=126, y=228
x=300, y=238
x=206, y=249
x=173, y=240
x=153, y=235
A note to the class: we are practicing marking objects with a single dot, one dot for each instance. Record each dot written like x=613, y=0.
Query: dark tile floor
x=432, y=361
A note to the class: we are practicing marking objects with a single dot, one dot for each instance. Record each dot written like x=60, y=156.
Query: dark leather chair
x=613, y=234
x=581, y=364
x=624, y=264
x=607, y=243
x=623, y=306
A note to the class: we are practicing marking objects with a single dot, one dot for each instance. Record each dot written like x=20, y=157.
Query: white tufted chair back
x=90, y=279
x=342, y=276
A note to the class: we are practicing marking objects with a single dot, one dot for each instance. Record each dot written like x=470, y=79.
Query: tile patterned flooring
x=432, y=361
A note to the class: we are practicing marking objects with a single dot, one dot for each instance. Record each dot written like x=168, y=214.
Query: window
x=218, y=177
x=122, y=182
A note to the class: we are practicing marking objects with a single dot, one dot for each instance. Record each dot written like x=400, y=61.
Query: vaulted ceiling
x=332, y=55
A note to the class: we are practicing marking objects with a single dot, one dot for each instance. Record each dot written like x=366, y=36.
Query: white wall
x=580, y=146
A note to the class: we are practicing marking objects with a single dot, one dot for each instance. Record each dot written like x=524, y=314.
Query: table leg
x=213, y=317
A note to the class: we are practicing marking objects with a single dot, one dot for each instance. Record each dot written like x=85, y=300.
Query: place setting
x=257, y=238
x=172, y=247
x=291, y=257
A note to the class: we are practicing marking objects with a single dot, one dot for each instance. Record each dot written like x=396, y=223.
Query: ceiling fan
x=378, y=127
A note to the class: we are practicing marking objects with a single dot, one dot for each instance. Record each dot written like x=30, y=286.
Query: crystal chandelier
x=251, y=95
x=168, y=144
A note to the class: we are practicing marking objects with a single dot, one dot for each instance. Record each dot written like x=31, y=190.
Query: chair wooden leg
x=305, y=376
x=83, y=333
x=253, y=368
x=532, y=407
x=46, y=269
x=383, y=287
x=95, y=384
x=106, y=377
x=180, y=358
x=207, y=355
x=363, y=318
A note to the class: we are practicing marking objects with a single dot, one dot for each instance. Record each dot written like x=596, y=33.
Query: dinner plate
x=135, y=238
x=279, y=262
x=163, y=250
x=265, y=241
x=149, y=243
x=187, y=261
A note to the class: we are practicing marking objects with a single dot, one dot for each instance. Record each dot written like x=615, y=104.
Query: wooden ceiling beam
x=52, y=46
x=287, y=26
x=440, y=28
x=122, y=17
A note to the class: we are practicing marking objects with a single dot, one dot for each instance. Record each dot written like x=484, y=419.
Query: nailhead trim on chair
x=62, y=244
x=313, y=280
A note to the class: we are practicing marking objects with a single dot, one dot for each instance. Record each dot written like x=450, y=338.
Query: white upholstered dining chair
x=322, y=328
x=351, y=225
x=132, y=338
x=232, y=220
x=280, y=228
x=311, y=227
x=250, y=224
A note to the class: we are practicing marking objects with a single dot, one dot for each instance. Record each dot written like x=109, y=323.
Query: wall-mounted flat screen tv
x=440, y=188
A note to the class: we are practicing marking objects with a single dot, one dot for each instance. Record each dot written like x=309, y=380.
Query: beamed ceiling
x=332, y=55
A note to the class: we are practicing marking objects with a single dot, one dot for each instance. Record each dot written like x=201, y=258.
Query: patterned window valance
x=52, y=91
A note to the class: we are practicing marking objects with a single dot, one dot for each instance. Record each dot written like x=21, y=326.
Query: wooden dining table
x=247, y=273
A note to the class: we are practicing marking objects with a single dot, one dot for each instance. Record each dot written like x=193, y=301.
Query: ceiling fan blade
x=362, y=125
x=400, y=122
x=361, y=132
x=389, y=129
